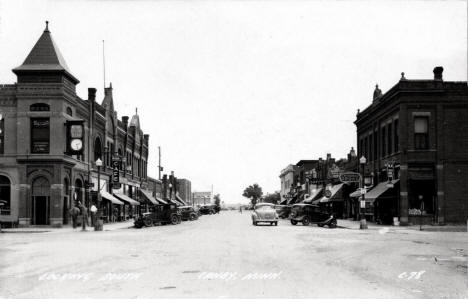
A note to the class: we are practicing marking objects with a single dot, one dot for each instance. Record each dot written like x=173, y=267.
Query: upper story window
x=2, y=134
x=389, y=139
x=97, y=149
x=39, y=107
x=69, y=111
x=40, y=135
x=421, y=135
x=383, y=146
x=396, y=136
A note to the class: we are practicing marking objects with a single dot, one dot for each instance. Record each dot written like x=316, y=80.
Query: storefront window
x=5, y=199
x=421, y=197
x=40, y=135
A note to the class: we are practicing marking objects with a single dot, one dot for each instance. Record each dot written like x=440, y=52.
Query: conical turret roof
x=45, y=56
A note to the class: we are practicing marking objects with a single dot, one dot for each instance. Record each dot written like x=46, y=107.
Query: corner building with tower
x=39, y=179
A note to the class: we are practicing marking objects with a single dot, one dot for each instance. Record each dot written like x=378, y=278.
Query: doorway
x=41, y=208
x=40, y=201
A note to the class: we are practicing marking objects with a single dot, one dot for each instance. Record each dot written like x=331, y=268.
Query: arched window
x=69, y=111
x=41, y=187
x=5, y=200
x=97, y=149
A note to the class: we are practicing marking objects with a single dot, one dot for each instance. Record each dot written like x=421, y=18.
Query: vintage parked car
x=159, y=214
x=264, y=212
x=309, y=213
x=207, y=210
x=188, y=213
x=283, y=211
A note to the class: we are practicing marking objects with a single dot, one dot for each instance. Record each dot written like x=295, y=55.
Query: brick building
x=415, y=140
x=38, y=181
x=184, y=189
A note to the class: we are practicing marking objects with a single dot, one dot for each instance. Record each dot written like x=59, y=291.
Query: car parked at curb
x=188, y=213
x=159, y=214
x=311, y=214
x=266, y=213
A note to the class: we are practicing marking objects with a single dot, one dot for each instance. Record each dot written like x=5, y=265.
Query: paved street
x=224, y=256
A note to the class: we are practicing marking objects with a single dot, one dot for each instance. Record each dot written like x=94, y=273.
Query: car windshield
x=264, y=208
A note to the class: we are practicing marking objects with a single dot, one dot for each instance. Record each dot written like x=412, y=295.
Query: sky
x=234, y=91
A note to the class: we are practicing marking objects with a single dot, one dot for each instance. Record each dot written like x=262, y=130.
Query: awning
x=357, y=193
x=313, y=195
x=111, y=198
x=378, y=190
x=149, y=197
x=335, y=191
x=161, y=200
x=181, y=200
x=127, y=199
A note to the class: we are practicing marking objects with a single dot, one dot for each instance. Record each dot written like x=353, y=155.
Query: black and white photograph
x=233, y=149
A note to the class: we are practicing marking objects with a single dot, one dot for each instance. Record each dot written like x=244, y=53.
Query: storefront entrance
x=41, y=208
x=40, y=201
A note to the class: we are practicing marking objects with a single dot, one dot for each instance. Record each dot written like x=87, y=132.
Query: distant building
x=415, y=140
x=201, y=198
x=287, y=183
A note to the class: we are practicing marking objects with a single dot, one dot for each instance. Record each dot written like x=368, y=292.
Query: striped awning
x=149, y=197
x=181, y=200
x=335, y=191
x=127, y=199
x=378, y=190
x=314, y=194
x=111, y=198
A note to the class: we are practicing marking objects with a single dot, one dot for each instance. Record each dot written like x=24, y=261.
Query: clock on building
x=75, y=136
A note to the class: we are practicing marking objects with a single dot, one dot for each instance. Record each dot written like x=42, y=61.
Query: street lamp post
x=98, y=224
x=363, y=224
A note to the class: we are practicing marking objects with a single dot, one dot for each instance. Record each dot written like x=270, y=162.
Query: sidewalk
x=349, y=224
x=68, y=228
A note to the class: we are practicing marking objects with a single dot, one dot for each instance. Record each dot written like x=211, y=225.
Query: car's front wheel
x=332, y=224
x=305, y=221
x=174, y=219
x=293, y=222
x=148, y=222
x=193, y=217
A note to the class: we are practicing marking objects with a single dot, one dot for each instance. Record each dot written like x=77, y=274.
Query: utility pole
x=159, y=165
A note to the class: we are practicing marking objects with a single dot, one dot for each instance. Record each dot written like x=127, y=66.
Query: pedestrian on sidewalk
x=84, y=214
x=240, y=209
x=74, y=212
x=93, y=215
